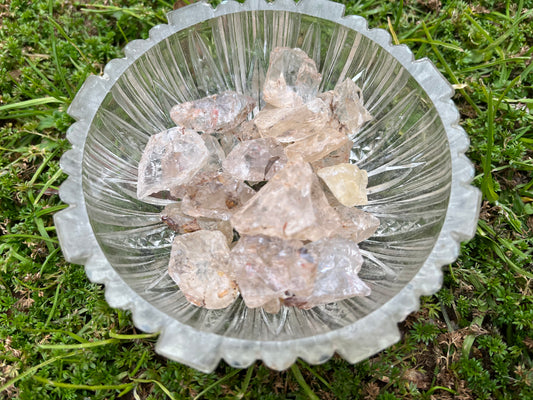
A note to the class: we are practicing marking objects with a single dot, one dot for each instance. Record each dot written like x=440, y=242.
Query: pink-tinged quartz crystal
x=213, y=113
x=269, y=269
x=255, y=160
x=357, y=225
x=170, y=158
x=199, y=265
x=218, y=197
x=183, y=223
x=348, y=106
x=295, y=123
x=339, y=261
x=292, y=78
x=347, y=183
x=292, y=205
x=317, y=145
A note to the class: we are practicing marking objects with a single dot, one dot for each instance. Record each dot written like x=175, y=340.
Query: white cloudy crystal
x=199, y=265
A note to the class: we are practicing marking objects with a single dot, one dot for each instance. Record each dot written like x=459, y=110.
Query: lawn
x=60, y=340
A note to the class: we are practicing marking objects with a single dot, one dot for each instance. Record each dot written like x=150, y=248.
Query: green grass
x=60, y=340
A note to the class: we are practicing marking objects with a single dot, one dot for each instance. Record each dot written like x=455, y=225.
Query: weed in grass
x=60, y=340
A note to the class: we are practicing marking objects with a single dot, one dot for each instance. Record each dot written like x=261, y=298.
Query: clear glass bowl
x=413, y=150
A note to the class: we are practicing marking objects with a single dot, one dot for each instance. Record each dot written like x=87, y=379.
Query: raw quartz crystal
x=346, y=101
x=219, y=197
x=292, y=205
x=318, y=145
x=338, y=263
x=357, y=225
x=269, y=270
x=199, y=265
x=297, y=235
x=213, y=113
x=169, y=159
x=179, y=222
x=255, y=160
x=347, y=182
x=291, y=79
x=292, y=124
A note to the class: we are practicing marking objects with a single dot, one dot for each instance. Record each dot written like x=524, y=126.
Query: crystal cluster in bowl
x=260, y=196
x=413, y=150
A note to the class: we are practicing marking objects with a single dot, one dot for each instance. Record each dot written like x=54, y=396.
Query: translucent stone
x=318, y=145
x=169, y=159
x=212, y=167
x=339, y=261
x=213, y=113
x=218, y=196
x=180, y=222
x=269, y=269
x=216, y=154
x=255, y=160
x=357, y=225
x=348, y=106
x=199, y=265
x=339, y=156
x=347, y=183
x=295, y=123
x=228, y=139
x=245, y=131
x=228, y=142
x=291, y=79
x=292, y=205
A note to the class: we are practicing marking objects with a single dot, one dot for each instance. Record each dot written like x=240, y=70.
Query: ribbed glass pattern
x=404, y=149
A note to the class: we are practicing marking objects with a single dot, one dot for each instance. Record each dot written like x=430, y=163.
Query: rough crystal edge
x=176, y=339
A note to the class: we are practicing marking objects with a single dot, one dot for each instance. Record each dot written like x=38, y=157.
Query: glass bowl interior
x=404, y=149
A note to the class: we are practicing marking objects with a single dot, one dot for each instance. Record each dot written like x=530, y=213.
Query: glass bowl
x=413, y=150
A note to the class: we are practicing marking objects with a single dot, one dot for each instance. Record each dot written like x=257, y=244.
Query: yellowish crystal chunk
x=347, y=183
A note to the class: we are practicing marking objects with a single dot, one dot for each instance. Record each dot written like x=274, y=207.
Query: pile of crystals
x=264, y=207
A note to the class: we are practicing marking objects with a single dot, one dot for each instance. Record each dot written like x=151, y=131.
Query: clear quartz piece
x=211, y=167
x=255, y=160
x=357, y=225
x=341, y=155
x=294, y=123
x=216, y=153
x=217, y=196
x=268, y=269
x=317, y=145
x=213, y=113
x=339, y=261
x=291, y=79
x=169, y=159
x=347, y=104
x=245, y=131
x=347, y=183
x=199, y=265
x=180, y=222
x=292, y=205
